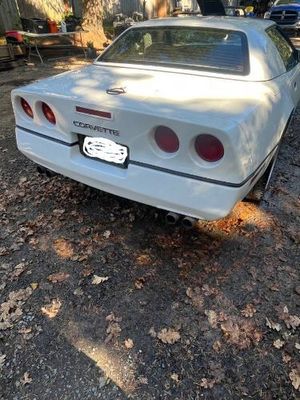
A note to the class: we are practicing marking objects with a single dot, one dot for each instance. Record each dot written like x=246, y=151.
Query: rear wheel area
x=257, y=192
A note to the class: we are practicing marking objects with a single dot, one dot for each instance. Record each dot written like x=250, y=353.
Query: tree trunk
x=92, y=13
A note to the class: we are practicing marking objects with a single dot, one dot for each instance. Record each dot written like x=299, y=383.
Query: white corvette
x=184, y=114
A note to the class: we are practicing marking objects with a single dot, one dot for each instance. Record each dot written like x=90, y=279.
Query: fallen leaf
x=241, y=333
x=139, y=283
x=207, y=383
x=217, y=346
x=212, y=318
x=128, y=343
x=58, y=277
x=295, y=378
x=286, y=358
x=26, y=379
x=2, y=360
x=113, y=330
x=78, y=292
x=196, y=296
x=175, y=377
x=152, y=332
x=278, y=343
x=99, y=279
x=34, y=285
x=292, y=321
x=52, y=309
x=106, y=234
x=63, y=248
x=18, y=270
x=10, y=310
x=87, y=271
x=143, y=259
x=248, y=311
x=272, y=325
x=25, y=331
x=168, y=336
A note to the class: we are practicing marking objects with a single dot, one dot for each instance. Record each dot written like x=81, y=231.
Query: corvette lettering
x=96, y=128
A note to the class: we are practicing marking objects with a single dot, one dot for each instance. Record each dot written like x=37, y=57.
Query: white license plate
x=105, y=149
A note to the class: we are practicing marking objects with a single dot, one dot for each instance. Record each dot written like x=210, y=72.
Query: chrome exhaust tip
x=171, y=218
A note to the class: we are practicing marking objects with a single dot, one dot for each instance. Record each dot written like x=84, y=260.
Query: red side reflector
x=89, y=111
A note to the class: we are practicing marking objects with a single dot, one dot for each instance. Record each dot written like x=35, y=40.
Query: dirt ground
x=100, y=300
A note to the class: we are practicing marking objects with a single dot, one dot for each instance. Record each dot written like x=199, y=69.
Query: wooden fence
x=9, y=15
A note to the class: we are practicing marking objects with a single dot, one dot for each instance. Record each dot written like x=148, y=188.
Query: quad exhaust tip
x=187, y=222
x=172, y=218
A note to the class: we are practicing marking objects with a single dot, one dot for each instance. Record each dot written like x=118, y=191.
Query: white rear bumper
x=184, y=195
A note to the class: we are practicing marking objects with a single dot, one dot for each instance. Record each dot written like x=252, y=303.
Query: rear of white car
x=188, y=137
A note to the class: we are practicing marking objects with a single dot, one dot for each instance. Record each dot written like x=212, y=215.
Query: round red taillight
x=166, y=139
x=209, y=148
x=26, y=107
x=49, y=114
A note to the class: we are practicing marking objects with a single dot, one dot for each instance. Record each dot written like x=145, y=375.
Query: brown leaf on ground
x=291, y=321
x=26, y=379
x=217, y=346
x=286, y=358
x=143, y=259
x=10, y=310
x=295, y=378
x=207, y=383
x=241, y=333
x=273, y=325
x=278, y=343
x=196, y=296
x=87, y=271
x=34, y=285
x=58, y=277
x=152, y=332
x=175, y=377
x=18, y=270
x=128, y=343
x=113, y=329
x=212, y=318
x=99, y=279
x=168, y=336
x=248, y=311
x=52, y=309
x=139, y=283
x=63, y=248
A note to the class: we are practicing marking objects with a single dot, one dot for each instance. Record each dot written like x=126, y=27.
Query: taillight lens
x=166, y=139
x=209, y=148
x=49, y=114
x=26, y=107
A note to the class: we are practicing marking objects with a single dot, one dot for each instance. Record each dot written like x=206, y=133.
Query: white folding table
x=34, y=39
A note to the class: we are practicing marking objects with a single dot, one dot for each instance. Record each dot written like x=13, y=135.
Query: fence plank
x=9, y=15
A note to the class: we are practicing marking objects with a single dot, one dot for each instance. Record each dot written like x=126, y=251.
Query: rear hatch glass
x=209, y=49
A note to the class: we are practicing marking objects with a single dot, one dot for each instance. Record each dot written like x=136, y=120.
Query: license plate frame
x=119, y=165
